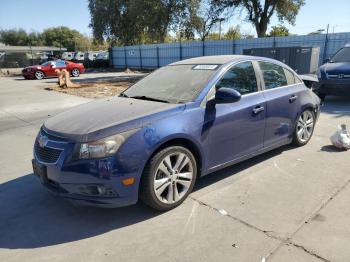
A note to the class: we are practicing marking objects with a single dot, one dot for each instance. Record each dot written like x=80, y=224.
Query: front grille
x=339, y=76
x=46, y=154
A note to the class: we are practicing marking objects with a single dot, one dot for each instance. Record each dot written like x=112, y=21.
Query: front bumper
x=336, y=87
x=27, y=74
x=96, y=182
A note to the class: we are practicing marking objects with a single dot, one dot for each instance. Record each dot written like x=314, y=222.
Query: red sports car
x=47, y=69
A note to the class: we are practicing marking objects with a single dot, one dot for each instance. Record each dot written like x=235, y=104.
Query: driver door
x=236, y=129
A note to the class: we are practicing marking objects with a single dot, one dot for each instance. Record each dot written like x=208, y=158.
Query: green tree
x=128, y=22
x=201, y=16
x=14, y=37
x=233, y=33
x=259, y=12
x=279, y=30
x=64, y=37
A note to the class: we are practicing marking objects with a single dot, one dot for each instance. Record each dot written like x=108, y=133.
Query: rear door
x=282, y=95
x=236, y=129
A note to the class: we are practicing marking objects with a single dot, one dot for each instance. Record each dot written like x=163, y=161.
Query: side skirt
x=245, y=157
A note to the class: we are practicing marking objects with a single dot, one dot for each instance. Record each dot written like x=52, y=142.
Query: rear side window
x=60, y=63
x=240, y=77
x=273, y=75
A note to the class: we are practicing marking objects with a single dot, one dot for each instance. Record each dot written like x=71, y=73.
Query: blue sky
x=36, y=15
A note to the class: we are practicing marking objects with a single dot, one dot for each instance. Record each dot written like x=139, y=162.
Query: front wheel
x=75, y=72
x=304, y=128
x=39, y=75
x=168, y=178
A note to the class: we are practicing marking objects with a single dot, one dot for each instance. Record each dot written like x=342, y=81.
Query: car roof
x=216, y=60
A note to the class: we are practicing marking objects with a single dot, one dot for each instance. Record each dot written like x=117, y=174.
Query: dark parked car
x=48, y=69
x=183, y=121
x=334, y=76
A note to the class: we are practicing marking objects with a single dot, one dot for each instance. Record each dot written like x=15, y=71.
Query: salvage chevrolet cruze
x=183, y=121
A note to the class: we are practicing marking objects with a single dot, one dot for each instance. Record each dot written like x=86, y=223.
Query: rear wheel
x=304, y=128
x=39, y=75
x=75, y=72
x=168, y=178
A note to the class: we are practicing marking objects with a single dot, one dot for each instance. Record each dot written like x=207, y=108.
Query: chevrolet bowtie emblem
x=42, y=141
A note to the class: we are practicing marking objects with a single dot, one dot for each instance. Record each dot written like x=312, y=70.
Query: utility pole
x=220, y=20
x=325, y=45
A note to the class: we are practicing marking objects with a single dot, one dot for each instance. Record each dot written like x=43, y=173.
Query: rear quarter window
x=291, y=78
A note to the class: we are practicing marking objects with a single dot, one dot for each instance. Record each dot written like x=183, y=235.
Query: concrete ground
x=291, y=204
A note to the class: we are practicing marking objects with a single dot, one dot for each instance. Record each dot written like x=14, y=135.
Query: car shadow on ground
x=33, y=218
x=337, y=106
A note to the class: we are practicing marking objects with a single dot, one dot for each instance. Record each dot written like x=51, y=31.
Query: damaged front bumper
x=97, y=182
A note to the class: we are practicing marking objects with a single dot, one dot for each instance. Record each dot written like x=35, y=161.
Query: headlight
x=101, y=148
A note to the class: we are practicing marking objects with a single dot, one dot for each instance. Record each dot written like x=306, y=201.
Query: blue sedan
x=181, y=122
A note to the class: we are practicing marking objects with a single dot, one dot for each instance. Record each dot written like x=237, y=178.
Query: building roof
x=29, y=49
x=216, y=60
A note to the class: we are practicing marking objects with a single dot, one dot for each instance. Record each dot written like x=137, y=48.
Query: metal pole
x=325, y=45
x=158, y=56
x=125, y=60
x=203, y=48
x=31, y=51
x=140, y=50
x=180, y=49
x=220, y=30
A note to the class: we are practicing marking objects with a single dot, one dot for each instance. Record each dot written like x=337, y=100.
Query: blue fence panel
x=192, y=49
x=156, y=55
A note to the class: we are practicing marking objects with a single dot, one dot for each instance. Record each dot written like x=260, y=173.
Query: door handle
x=293, y=98
x=258, y=109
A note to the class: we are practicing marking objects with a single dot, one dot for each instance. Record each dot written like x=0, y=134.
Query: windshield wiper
x=150, y=99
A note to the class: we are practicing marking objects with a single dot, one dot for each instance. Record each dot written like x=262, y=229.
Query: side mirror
x=226, y=95
x=327, y=60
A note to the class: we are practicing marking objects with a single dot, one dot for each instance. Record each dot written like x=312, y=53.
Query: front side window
x=240, y=77
x=273, y=75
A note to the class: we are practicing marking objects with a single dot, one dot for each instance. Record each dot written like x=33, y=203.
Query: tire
x=168, y=178
x=39, y=75
x=304, y=128
x=75, y=72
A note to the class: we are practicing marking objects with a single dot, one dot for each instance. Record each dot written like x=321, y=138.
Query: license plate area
x=40, y=171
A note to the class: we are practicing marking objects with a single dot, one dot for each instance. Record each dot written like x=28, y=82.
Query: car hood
x=336, y=68
x=34, y=67
x=104, y=117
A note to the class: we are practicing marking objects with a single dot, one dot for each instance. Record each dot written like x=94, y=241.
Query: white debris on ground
x=223, y=212
x=341, y=138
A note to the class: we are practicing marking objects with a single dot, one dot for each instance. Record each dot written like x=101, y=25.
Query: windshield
x=46, y=63
x=343, y=55
x=174, y=84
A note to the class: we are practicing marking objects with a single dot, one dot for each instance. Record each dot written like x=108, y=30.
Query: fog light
x=128, y=181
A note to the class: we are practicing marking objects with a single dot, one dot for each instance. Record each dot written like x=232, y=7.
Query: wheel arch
x=181, y=141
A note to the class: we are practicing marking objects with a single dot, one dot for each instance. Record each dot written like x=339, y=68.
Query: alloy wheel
x=305, y=126
x=39, y=75
x=75, y=72
x=173, y=178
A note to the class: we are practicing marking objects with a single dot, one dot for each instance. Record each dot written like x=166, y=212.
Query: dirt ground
x=94, y=89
